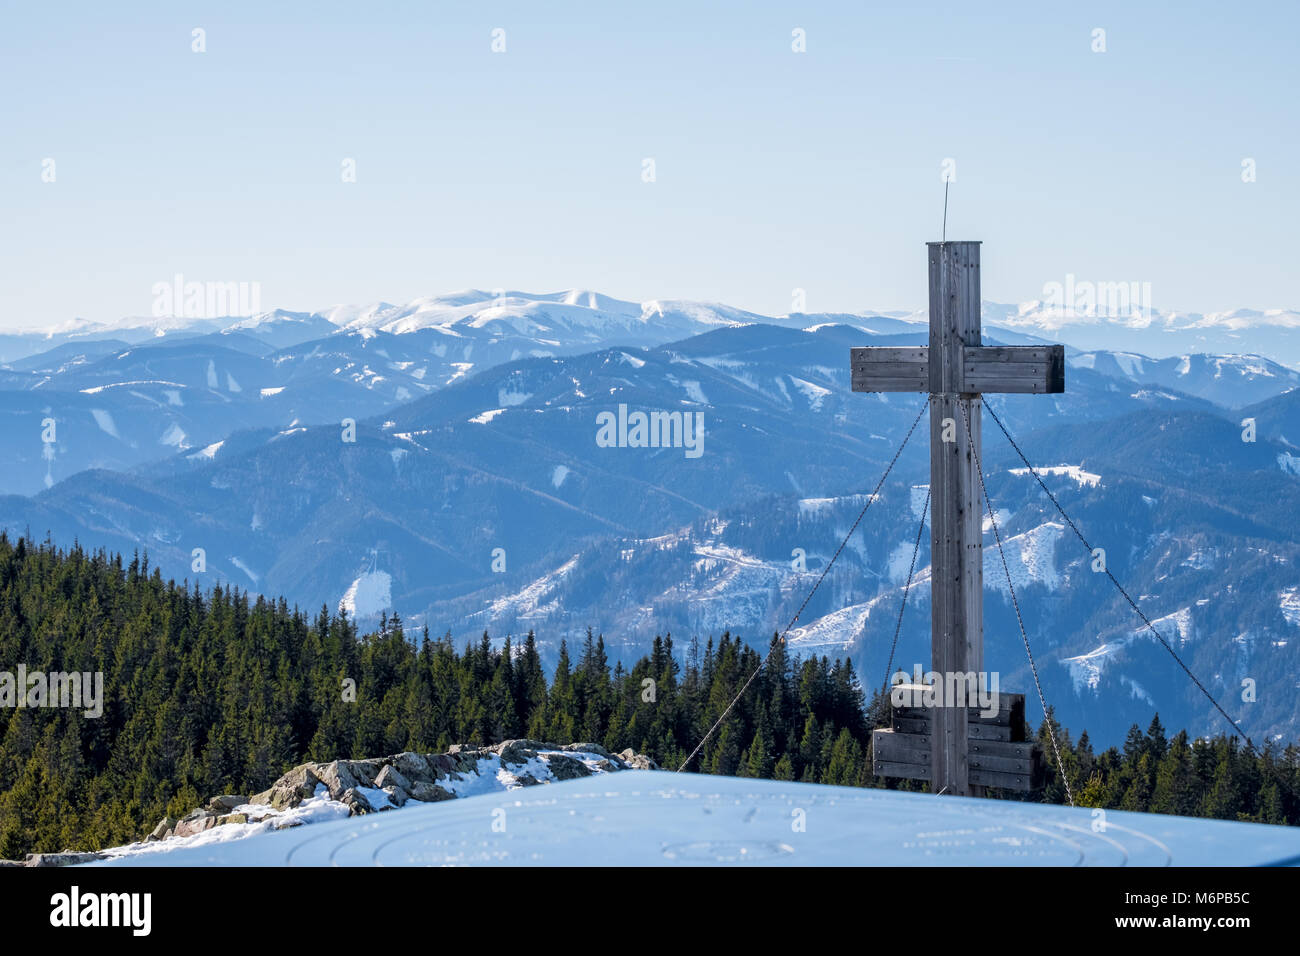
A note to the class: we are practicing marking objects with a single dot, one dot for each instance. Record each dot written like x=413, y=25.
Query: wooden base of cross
x=955, y=368
x=998, y=755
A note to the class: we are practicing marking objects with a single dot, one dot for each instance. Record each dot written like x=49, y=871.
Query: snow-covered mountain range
x=125, y=393
x=443, y=459
x=1159, y=333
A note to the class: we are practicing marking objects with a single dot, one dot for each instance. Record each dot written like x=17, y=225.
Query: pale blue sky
x=775, y=170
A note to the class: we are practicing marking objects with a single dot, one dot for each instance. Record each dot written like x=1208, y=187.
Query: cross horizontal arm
x=1038, y=369
x=891, y=369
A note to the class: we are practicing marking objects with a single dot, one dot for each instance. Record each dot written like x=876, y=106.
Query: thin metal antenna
x=945, y=210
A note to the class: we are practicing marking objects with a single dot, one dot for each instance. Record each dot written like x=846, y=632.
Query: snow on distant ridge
x=1086, y=669
x=815, y=506
x=1035, y=314
x=96, y=389
x=814, y=393
x=1076, y=472
x=1031, y=559
x=529, y=600
x=838, y=629
x=1289, y=603
x=208, y=451
x=368, y=595
x=528, y=311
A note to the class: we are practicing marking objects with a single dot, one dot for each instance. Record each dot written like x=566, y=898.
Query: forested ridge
x=212, y=692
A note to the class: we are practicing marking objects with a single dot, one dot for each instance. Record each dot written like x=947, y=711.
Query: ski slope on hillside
x=647, y=818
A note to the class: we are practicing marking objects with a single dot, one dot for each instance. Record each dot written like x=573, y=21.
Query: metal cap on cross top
x=954, y=747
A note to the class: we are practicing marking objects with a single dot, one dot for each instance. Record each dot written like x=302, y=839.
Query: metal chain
x=861, y=514
x=1133, y=604
x=1015, y=602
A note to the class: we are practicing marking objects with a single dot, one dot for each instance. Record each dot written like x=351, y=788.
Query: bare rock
x=567, y=768
x=441, y=765
x=291, y=789
x=587, y=748
x=466, y=761
x=196, y=822
x=227, y=802
x=365, y=770
x=521, y=751
x=164, y=829
x=356, y=802
x=390, y=776
x=413, y=767
x=430, y=792
x=339, y=778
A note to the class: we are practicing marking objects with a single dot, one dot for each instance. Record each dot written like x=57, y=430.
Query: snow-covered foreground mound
x=639, y=818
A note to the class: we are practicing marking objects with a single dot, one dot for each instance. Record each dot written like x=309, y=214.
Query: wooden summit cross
x=953, y=747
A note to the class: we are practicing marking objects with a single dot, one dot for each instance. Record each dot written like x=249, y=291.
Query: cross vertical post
x=956, y=531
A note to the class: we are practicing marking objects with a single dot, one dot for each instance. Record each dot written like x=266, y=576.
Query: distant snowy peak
x=585, y=307
x=1130, y=310
x=134, y=328
x=524, y=312
x=518, y=324
x=1245, y=319
x=699, y=313
x=360, y=315
x=564, y=315
x=1119, y=314
x=263, y=319
x=279, y=328
x=551, y=320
